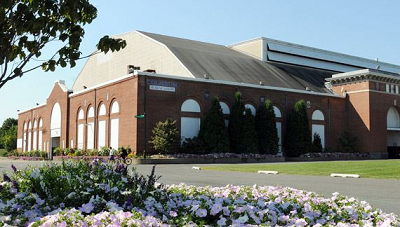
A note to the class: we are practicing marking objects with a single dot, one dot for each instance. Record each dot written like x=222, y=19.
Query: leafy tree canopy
x=28, y=26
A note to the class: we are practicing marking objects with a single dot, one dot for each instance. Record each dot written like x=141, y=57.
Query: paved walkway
x=384, y=194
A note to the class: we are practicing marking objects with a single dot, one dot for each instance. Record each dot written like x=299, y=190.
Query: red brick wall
x=161, y=105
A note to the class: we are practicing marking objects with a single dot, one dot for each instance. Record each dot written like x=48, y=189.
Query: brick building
x=166, y=77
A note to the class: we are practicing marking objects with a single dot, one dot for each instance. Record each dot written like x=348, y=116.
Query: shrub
x=213, y=132
x=192, y=146
x=248, y=144
x=266, y=129
x=165, y=136
x=298, y=136
x=9, y=138
x=4, y=153
x=236, y=123
x=104, y=151
x=58, y=151
x=347, y=142
x=317, y=144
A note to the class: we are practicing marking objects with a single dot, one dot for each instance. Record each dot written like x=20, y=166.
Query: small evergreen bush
x=266, y=129
x=298, y=135
x=317, y=144
x=213, y=133
x=165, y=137
x=347, y=143
x=236, y=123
x=248, y=144
x=192, y=146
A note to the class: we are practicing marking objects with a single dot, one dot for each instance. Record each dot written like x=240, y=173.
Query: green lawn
x=383, y=169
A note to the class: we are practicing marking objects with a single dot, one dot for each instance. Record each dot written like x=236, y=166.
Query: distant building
x=166, y=77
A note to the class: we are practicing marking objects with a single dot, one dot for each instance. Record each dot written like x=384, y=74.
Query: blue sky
x=363, y=28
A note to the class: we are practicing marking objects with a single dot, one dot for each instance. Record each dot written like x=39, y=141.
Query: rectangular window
x=392, y=88
x=397, y=89
x=377, y=86
x=387, y=88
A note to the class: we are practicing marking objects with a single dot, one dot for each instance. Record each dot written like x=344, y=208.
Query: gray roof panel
x=223, y=63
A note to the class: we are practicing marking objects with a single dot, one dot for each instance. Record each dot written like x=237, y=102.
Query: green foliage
x=192, y=146
x=236, y=123
x=347, y=142
x=298, y=135
x=213, y=132
x=9, y=138
x=165, y=136
x=266, y=129
x=104, y=151
x=8, y=134
x=317, y=144
x=29, y=26
x=248, y=144
x=3, y=153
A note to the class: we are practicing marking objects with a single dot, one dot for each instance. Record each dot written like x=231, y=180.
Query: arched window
x=114, y=125
x=90, y=129
x=101, y=140
x=226, y=111
x=190, y=124
x=40, y=139
x=80, y=128
x=190, y=105
x=55, y=126
x=393, y=127
x=29, y=136
x=278, y=119
x=35, y=135
x=318, y=115
x=318, y=126
x=393, y=119
x=24, y=137
x=252, y=108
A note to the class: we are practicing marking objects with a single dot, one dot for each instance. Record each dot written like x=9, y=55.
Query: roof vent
x=308, y=89
x=132, y=68
x=206, y=77
x=150, y=71
x=378, y=67
x=261, y=83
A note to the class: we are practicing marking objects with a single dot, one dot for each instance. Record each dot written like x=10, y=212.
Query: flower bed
x=336, y=155
x=97, y=194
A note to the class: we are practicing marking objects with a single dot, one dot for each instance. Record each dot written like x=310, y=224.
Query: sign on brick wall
x=161, y=85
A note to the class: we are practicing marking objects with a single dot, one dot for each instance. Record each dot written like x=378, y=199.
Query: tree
x=165, y=136
x=298, y=135
x=317, y=144
x=236, y=123
x=213, y=132
x=9, y=138
x=266, y=129
x=7, y=125
x=248, y=144
x=28, y=26
x=347, y=142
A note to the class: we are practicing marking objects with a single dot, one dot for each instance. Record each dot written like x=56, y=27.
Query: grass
x=381, y=169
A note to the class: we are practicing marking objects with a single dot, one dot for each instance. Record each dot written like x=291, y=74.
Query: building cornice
x=364, y=75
